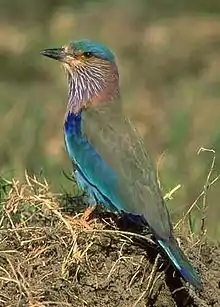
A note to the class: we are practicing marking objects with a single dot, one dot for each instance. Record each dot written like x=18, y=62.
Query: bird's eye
x=88, y=54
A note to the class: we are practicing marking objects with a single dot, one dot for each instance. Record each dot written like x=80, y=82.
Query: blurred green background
x=168, y=54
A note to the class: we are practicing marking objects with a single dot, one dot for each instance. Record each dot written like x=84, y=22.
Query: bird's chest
x=76, y=143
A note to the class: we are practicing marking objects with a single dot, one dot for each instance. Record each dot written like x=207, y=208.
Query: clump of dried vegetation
x=49, y=257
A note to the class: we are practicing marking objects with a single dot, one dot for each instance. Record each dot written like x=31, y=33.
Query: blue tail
x=180, y=262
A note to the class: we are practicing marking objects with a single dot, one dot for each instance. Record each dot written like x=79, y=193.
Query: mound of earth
x=49, y=257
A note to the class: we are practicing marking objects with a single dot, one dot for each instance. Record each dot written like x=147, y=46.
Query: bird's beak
x=54, y=53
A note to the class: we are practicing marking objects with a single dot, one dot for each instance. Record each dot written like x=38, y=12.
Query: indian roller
x=110, y=161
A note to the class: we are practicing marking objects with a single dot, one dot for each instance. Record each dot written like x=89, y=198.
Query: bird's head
x=91, y=71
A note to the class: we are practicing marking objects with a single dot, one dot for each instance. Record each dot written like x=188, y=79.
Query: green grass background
x=168, y=54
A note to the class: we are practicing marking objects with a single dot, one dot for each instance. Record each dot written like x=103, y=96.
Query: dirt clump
x=49, y=257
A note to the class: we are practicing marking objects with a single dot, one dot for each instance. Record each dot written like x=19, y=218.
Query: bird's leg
x=88, y=212
x=86, y=215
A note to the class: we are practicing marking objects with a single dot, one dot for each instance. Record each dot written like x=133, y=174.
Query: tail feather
x=180, y=262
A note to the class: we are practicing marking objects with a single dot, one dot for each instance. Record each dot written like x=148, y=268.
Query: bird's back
x=122, y=169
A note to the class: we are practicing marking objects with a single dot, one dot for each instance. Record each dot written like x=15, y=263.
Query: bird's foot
x=86, y=216
x=87, y=213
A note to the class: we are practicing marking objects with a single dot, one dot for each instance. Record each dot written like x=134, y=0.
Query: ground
x=48, y=257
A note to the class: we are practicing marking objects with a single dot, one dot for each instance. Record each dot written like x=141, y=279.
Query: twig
x=205, y=189
x=152, y=274
x=169, y=195
x=157, y=168
x=121, y=257
x=126, y=233
x=195, y=202
x=150, y=281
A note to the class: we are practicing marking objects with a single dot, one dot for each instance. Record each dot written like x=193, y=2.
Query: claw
x=86, y=216
x=88, y=212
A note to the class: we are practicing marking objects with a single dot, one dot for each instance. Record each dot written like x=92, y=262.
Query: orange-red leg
x=88, y=212
x=86, y=215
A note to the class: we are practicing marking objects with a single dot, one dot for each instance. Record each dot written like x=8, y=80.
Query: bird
x=111, y=163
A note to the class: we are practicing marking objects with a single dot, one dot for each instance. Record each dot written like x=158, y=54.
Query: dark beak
x=54, y=53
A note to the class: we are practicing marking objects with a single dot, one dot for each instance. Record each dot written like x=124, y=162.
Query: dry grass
x=49, y=257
